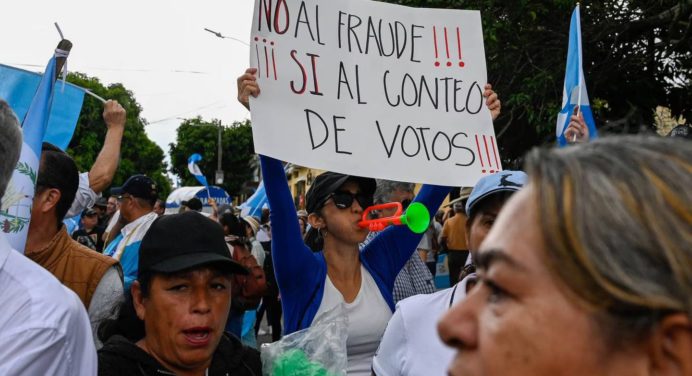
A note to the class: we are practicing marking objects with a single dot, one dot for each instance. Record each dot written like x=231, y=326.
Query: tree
x=139, y=155
x=636, y=57
x=200, y=136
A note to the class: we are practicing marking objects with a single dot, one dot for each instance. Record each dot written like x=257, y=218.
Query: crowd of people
x=581, y=265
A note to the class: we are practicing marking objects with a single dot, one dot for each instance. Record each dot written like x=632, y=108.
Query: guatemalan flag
x=19, y=196
x=574, y=91
x=18, y=87
x=194, y=169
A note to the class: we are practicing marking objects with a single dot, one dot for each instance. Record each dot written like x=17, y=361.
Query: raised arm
x=295, y=265
x=294, y=262
x=103, y=169
x=390, y=250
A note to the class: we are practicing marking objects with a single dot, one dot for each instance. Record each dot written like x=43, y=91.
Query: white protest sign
x=373, y=89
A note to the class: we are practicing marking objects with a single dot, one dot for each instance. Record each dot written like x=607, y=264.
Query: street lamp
x=219, y=171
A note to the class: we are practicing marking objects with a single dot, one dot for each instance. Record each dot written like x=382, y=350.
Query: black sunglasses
x=344, y=200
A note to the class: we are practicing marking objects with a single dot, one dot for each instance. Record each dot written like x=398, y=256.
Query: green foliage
x=200, y=136
x=636, y=57
x=12, y=224
x=139, y=155
x=25, y=169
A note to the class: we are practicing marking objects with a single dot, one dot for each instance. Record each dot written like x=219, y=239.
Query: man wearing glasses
x=137, y=198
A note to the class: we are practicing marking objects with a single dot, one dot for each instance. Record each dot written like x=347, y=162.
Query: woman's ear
x=670, y=346
x=316, y=221
x=138, y=300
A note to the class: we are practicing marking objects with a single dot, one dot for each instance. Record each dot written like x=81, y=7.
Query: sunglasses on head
x=344, y=200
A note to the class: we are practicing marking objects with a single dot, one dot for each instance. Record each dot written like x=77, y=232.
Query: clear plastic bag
x=319, y=350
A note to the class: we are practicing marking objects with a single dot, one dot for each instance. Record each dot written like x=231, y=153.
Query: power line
x=226, y=37
x=121, y=69
x=223, y=104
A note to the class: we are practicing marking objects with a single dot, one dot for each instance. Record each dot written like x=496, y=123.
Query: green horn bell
x=417, y=218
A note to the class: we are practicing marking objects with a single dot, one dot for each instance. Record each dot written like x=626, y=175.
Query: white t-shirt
x=411, y=345
x=258, y=251
x=84, y=198
x=107, y=296
x=263, y=236
x=44, y=328
x=367, y=319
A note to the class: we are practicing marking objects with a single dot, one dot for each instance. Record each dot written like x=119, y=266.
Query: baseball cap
x=182, y=241
x=502, y=181
x=328, y=182
x=140, y=186
x=101, y=202
x=193, y=203
x=89, y=212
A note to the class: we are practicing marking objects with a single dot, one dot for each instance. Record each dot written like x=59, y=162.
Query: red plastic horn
x=417, y=217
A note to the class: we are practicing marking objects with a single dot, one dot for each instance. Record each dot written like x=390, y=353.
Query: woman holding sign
x=313, y=283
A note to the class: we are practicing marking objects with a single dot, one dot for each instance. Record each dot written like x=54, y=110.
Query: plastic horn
x=417, y=217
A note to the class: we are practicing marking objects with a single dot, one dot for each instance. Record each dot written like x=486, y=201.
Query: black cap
x=101, y=202
x=182, y=241
x=328, y=182
x=88, y=212
x=193, y=203
x=140, y=186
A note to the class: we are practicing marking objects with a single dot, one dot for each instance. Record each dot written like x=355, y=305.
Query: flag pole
x=60, y=61
x=34, y=124
x=574, y=137
x=581, y=63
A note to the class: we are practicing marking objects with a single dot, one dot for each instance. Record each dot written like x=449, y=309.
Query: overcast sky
x=152, y=47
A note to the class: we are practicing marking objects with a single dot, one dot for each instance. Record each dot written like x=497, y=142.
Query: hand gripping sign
x=373, y=89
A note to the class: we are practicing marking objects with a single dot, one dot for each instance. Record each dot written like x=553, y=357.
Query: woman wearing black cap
x=172, y=321
x=312, y=284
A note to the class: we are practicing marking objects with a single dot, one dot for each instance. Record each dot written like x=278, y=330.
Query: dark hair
x=245, y=225
x=314, y=240
x=58, y=170
x=233, y=224
x=486, y=204
x=265, y=216
x=235, y=227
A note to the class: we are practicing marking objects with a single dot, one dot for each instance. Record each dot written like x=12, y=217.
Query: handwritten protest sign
x=373, y=89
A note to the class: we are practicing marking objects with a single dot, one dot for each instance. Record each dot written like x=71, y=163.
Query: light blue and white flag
x=18, y=87
x=194, y=169
x=16, y=204
x=574, y=92
x=253, y=205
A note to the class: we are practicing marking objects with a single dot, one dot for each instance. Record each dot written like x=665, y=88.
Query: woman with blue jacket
x=313, y=283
